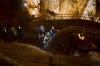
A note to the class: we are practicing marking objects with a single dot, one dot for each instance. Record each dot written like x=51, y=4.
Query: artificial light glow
x=19, y=27
x=25, y=4
x=5, y=30
x=33, y=7
x=81, y=37
x=33, y=12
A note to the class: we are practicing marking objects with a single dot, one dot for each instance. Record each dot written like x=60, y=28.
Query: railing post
x=83, y=31
x=61, y=16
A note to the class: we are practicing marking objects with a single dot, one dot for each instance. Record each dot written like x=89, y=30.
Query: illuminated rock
x=73, y=7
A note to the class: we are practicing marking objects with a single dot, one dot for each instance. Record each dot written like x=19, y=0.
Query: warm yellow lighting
x=69, y=7
x=33, y=12
x=33, y=7
x=81, y=37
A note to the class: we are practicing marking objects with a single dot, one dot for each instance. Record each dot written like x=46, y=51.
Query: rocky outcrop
x=65, y=6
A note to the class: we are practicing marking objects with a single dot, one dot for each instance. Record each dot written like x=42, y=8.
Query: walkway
x=59, y=42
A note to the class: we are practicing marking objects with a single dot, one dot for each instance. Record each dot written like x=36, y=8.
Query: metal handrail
x=63, y=16
x=69, y=28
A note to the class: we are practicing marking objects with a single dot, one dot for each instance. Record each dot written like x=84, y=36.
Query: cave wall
x=90, y=8
x=33, y=6
x=74, y=7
